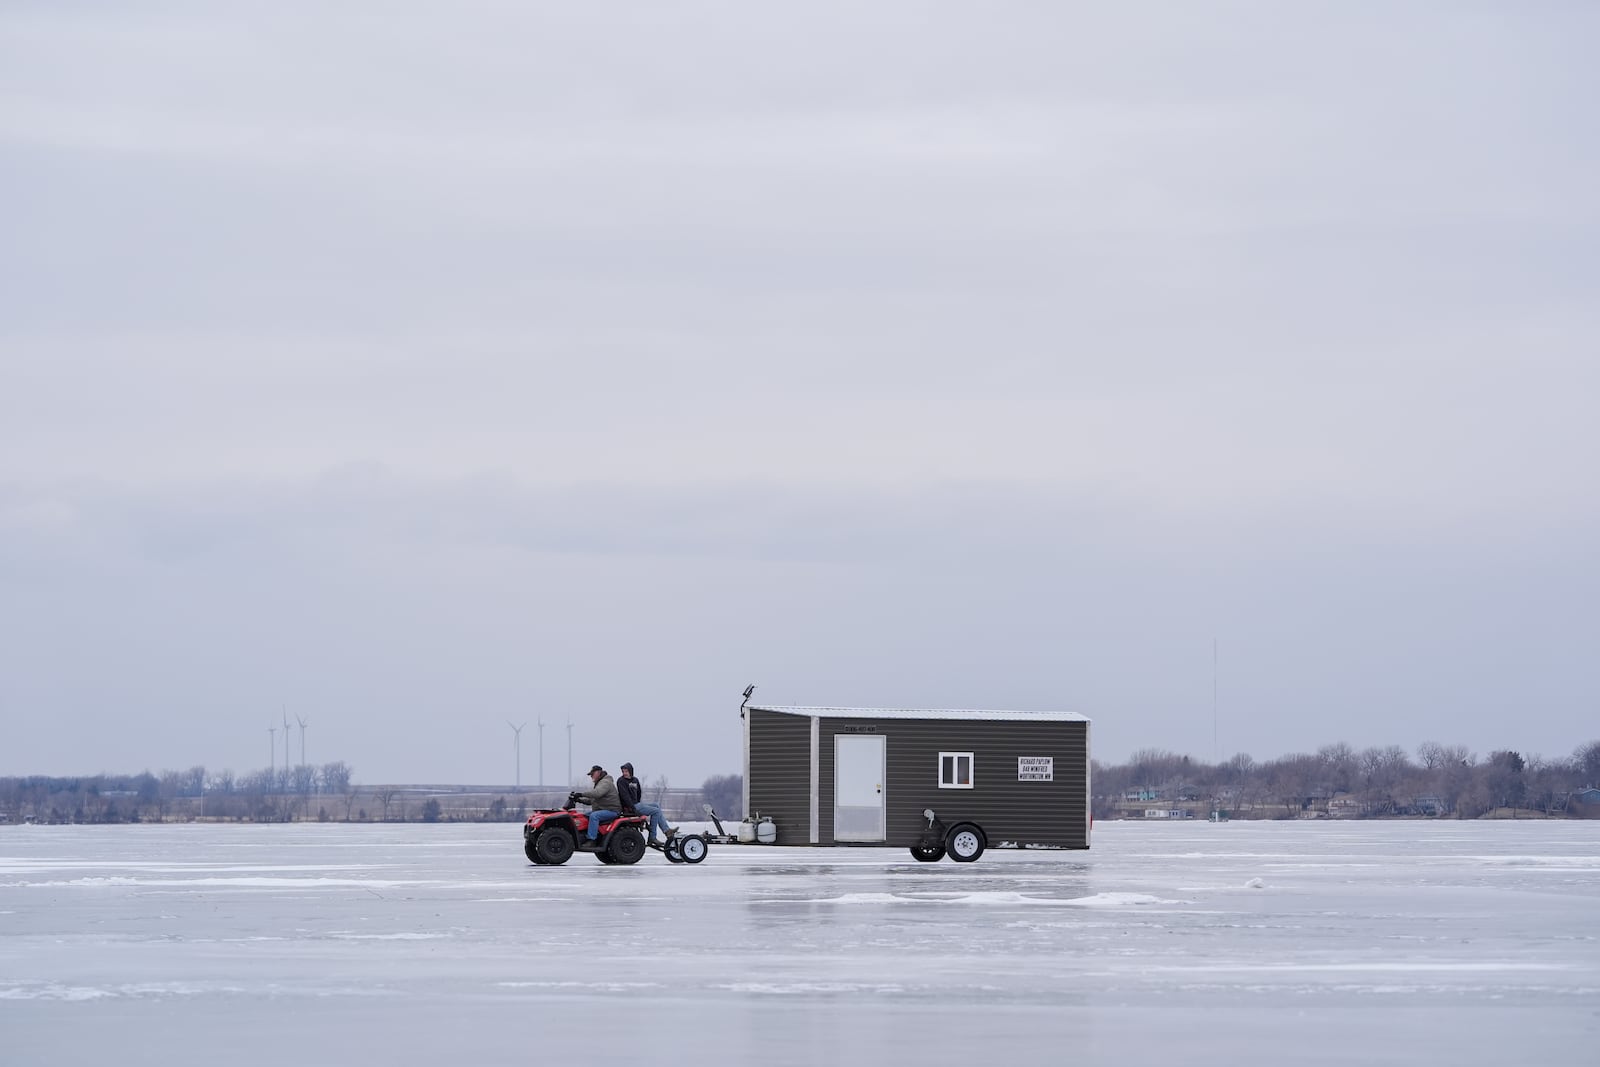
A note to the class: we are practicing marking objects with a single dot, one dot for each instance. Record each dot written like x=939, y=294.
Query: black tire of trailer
x=555, y=845
x=964, y=843
x=927, y=853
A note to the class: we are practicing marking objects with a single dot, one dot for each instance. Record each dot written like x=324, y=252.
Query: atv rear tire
x=554, y=845
x=626, y=846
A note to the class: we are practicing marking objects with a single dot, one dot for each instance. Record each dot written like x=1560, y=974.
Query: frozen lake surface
x=1336, y=943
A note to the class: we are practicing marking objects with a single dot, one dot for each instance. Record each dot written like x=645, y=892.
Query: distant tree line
x=324, y=793
x=281, y=794
x=1438, y=779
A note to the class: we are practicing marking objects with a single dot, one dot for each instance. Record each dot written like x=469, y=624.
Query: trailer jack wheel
x=927, y=853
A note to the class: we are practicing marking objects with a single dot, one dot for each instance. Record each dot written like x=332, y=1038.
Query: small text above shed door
x=858, y=767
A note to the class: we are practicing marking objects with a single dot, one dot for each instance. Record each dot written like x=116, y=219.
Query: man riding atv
x=551, y=835
x=604, y=801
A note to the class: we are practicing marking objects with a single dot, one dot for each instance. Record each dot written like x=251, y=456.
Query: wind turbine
x=272, y=767
x=302, y=723
x=517, y=733
x=286, y=742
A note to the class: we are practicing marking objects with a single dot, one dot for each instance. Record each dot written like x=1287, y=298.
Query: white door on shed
x=858, y=787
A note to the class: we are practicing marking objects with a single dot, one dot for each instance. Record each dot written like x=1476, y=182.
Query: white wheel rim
x=965, y=843
x=692, y=850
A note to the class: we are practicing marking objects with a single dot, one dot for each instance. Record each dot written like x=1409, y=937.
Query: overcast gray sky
x=415, y=367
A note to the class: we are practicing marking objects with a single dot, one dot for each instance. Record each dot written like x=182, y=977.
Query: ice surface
x=1238, y=943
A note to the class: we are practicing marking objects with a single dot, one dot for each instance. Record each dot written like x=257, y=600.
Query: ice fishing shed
x=864, y=776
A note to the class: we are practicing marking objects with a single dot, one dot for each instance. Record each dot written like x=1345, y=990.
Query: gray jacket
x=603, y=797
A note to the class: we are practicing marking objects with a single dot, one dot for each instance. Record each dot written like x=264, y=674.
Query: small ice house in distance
x=939, y=782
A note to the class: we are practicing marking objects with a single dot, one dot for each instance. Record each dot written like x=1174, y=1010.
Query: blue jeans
x=656, y=818
x=595, y=818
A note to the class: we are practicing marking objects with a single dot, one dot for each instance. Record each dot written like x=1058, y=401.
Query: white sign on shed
x=1036, y=768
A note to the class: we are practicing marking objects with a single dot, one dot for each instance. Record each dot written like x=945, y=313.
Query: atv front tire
x=554, y=845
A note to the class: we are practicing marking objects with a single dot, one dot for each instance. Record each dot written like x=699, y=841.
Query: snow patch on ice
x=989, y=899
x=604, y=987
x=791, y=988
x=119, y=882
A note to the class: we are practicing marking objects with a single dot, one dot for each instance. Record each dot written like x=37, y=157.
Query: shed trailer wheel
x=670, y=850
x=928, y=853
x=964, y=843
x=693, y=848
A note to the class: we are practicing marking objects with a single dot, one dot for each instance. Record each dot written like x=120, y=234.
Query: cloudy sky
x=410, y=368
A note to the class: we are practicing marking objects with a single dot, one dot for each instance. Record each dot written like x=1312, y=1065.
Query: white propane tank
x=767, y=831
x=747, y=831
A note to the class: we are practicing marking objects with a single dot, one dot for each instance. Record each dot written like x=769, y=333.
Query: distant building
x=1585, y=803
x=1168, y=813
x=1344, y=806
x=1429, y=805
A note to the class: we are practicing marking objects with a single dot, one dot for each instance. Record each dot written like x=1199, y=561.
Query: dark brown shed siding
x=779, y=773
x=1042, y=813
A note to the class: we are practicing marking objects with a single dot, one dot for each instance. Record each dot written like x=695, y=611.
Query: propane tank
x=767, y=831
x=747, y=831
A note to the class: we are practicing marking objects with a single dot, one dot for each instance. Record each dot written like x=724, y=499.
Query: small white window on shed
x=955, y=770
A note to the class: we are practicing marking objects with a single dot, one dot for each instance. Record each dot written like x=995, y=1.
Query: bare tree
x=1586, y=763
x=725, y=793
x=1338, y=766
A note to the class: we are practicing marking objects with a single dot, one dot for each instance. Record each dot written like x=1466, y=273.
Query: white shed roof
x=925, y=713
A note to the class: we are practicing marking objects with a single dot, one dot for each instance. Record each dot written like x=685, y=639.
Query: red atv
x=551, y=836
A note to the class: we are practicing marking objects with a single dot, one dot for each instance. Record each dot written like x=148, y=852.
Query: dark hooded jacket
x=631, y=792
